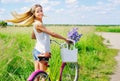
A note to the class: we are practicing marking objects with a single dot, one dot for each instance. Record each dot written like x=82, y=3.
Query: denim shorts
x=35, y=54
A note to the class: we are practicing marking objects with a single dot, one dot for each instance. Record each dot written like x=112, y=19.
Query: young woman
x=40, y=33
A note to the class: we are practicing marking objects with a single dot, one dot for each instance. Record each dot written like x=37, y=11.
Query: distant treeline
x=107, y=25
x=79, y=25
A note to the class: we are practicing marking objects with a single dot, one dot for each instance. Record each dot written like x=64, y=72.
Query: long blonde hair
x=24, y=19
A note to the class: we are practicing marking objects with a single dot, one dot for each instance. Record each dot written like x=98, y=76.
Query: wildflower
x=74, y=35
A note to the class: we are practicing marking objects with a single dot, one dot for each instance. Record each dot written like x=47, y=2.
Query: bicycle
x=69, y=70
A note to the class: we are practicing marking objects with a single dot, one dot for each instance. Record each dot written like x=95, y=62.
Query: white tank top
x=42, y=40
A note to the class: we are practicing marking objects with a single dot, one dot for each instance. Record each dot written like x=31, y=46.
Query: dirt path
x=113, y=40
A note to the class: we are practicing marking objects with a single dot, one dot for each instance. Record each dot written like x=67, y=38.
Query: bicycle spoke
x=41, y=77
x=70, y=72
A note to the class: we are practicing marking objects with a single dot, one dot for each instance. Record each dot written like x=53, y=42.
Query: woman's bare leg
x=37, y=67
x=40, y=66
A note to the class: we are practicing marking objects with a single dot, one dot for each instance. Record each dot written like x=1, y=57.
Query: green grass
x=16, y=61
x=108, y=28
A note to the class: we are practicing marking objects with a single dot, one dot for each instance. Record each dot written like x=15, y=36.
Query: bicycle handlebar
x=62, y=45
x=55, y=42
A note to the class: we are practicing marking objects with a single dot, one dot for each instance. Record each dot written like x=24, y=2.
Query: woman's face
x=38, y=13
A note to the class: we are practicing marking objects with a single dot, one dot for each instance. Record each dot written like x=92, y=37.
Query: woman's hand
x=69, y=41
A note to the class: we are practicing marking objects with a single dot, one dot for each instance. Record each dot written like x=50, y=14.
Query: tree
x=3, y=23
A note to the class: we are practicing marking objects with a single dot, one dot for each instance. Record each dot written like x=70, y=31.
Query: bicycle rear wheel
x=42, y=76
x=70, y=72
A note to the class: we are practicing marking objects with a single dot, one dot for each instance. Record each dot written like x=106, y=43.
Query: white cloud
x=71, y=7
x=106, y=8
x=60, y=10
x=86, y=8
x=101, y=8
x=54, y=3
x=82, y=17
x=29, y=0
x=47, y=8
x=41, y=2
x=24, y=9
x=100, y=3
x=44, y=2
x=2, y=14
x=114, y=2
x=2, y=10
x=70, y=1
x=51, y=5
x=9, y=1
x=47, y=4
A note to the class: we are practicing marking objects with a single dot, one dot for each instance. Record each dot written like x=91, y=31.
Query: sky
x=92, y=12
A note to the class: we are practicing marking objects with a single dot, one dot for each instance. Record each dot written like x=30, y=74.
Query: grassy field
x=16, y=62
x=108, y=28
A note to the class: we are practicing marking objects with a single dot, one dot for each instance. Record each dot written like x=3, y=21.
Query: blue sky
x=67, y=11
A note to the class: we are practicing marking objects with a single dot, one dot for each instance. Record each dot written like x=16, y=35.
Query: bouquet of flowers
x=74, y=35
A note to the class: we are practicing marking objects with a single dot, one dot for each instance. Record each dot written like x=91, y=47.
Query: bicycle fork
x=61, y=70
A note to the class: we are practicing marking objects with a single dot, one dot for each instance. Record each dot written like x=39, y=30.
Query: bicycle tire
x=41, y=75
x=70, y=72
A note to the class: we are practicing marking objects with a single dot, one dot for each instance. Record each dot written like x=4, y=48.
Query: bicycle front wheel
x=41, y=76
x=70, y=72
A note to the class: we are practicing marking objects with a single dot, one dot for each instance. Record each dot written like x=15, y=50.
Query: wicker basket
x=69, y=55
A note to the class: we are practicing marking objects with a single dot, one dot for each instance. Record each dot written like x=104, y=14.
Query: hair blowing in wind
x=24, y=19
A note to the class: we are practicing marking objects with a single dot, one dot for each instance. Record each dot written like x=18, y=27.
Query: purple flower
x=74, y=35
